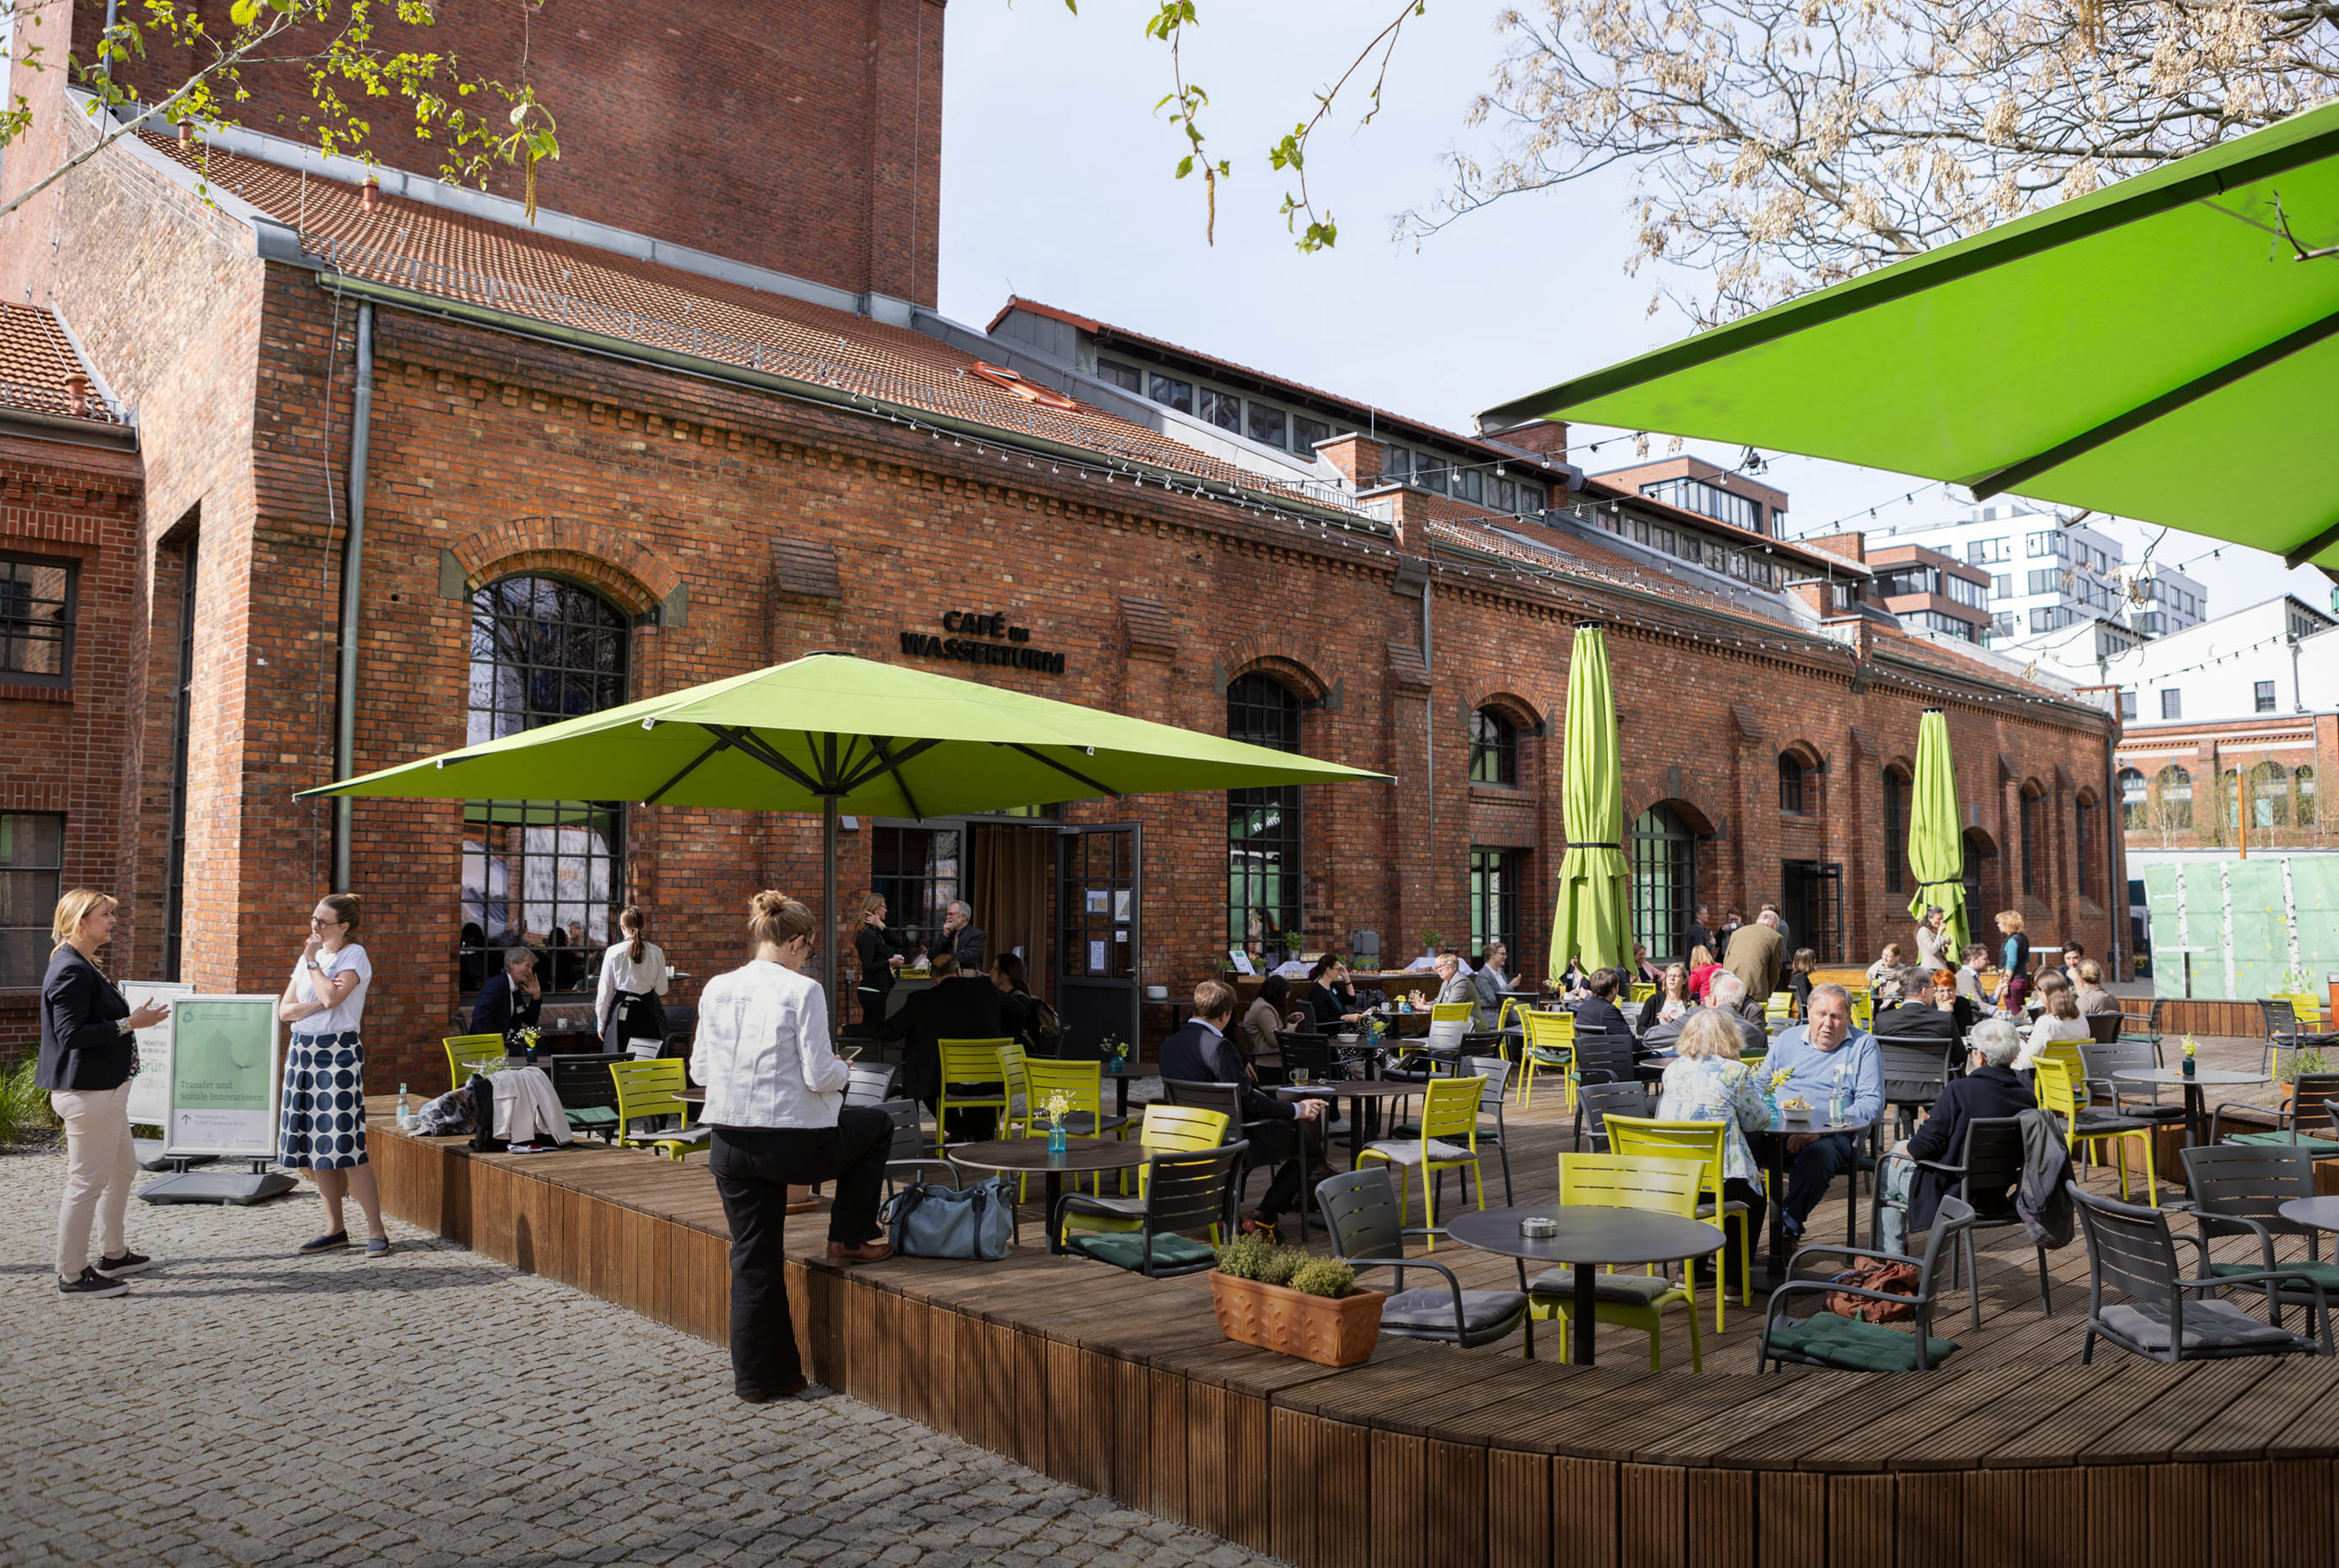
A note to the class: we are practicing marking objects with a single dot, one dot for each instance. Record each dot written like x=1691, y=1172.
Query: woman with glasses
x=322, y=1130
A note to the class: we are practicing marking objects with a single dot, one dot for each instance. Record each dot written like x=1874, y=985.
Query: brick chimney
x=1543, y=438
x=1359, y=459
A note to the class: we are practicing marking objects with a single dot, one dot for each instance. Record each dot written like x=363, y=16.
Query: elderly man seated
x=1727, y=995
x=1821, y=1058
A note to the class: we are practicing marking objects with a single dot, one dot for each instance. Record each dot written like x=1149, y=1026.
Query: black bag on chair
x=484, y=1141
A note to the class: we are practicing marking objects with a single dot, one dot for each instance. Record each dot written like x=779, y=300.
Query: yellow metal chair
x=1082, y=1083
x=971, y=1081
x=1704, y=1142
x=1510, y=1012
x=1653, y=1186
x=1166, y=1129
x=1550, y=1046
x=1012, y=1065
x=1780, y=1009
x=1448, y=1141
x=2307, y=1007
x=647, y=1088
x=2058, y=1088
x=471, y=1053
x=1863, y=1009
x=1641, y=991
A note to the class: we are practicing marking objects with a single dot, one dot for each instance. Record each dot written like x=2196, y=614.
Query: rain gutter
x=345, y=724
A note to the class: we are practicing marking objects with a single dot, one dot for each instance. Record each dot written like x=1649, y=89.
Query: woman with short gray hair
x=1990, y=1089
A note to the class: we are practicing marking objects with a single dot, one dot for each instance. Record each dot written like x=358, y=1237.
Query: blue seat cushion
x=1432, y=1311
x=1856, y=1345
x=1126, y=1249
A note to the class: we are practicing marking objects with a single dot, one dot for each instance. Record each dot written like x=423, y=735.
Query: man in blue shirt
x=1817, y=1056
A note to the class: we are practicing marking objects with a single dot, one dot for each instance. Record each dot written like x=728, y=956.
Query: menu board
x=224, y=1079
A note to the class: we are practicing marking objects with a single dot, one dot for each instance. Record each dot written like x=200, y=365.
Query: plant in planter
x=1279, y=1298
x=1431, y=940
x=1292, y=943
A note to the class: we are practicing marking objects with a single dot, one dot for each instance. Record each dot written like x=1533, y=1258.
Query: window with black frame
x=2030, y=841
x=2083, y=813
x=1263, y=847
x=1791, y=783
x=37, y=607
x=1494, y=748
x=549, y=875
x=916, y=871
x=31, y=874
x=1495, y=876
x=1664, y=854
x=1896, y=830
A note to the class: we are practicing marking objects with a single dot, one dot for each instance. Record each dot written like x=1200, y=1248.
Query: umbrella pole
x=828, y=900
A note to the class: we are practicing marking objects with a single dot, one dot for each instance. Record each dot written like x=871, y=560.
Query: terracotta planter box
x=1331, y=1331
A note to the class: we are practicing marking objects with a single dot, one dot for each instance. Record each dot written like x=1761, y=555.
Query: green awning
x=1937, y=844
x=1590, y=918
x=2155, y=351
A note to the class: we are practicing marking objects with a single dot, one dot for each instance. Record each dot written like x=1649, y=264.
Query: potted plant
x=1279, y=1298
x=1292, y=943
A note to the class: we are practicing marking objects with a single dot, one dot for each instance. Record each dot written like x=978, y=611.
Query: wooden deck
x=2013, y=1454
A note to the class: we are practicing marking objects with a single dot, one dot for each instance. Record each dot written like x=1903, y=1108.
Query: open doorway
x=1810, y=896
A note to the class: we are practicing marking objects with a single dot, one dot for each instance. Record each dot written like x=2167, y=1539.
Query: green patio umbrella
x=1937, y=845
x=2163, y=348
x=833, y=733
x=1592, y=920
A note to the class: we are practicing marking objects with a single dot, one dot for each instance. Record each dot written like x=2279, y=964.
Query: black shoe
x=790, y=1392
x=128, y=1263
x=90, y=1285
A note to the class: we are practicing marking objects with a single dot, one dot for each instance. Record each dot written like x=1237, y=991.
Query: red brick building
x=594, y=466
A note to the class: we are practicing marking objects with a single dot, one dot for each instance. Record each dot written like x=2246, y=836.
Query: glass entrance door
x=1099, y=935
x=1812, y=899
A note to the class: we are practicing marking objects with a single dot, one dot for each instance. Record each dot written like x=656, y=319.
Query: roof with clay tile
x=40, y=371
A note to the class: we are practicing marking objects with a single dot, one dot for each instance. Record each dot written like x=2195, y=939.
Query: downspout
x=2115, y=846
x=345, y=728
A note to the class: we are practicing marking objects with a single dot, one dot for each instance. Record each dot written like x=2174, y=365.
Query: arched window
x=2030, y=837
x=2085, y=815
x=1664, y=881
x=2132, y=810
x=1896, y=830
x=2229, y=799
x=1494, y=748
x=545, y=874
x=2304, y=778
x=1262, y=824
x=2175, y=787
x=1791, y=783
x=2269, y=794
x=1979, y=851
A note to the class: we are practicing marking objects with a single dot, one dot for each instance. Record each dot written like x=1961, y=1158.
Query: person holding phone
x=88, y=1055
x=322, y=1128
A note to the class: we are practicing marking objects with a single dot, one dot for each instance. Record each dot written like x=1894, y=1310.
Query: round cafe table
x=1359, y=1092
x=1772, y=1143
x=1588, y=1237
x=2322, y=1213
x=2192, y=1084
x=1026, y=1156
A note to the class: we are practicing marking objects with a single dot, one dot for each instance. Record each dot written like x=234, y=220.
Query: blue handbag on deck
x=929, y=1220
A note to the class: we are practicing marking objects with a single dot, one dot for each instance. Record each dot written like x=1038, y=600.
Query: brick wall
x=60, y=749
x=805, y=137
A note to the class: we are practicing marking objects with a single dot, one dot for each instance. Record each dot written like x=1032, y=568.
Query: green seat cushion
x=592, y=1115
x=1855, y=1346
x=2326, y=1274
x=1127, y=1250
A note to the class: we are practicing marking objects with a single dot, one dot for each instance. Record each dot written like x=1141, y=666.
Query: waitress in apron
x=633, y=978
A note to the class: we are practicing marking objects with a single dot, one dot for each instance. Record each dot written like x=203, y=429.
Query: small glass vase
x=1058, y=1142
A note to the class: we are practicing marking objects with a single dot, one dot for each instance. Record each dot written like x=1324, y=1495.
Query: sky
x=1057, y=185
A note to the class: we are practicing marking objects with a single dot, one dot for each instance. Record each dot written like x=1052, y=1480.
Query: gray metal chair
x=2282, y=1032
x=872, y=1085
x=1360, y=1216
x=1914, y=1076
x=1828, y=1339
x=1988, y=1170
x=2126, y=1097
x=2239, y=1188
x=1226, y=1099
x=2131, y=1249
x=1594, y=1102
x=1184, y=1190
x=911, y=1149
x=1496, y=1071
x=2311, y=1095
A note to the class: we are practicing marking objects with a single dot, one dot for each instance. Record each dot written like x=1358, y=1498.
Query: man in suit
x=1758, y=955
x=1725, y=996
x=512, y=1000
x=1700, y=934
x=1281, y=1132
x=955, y=1007
x=963, y=939
x=1931, y=1011
x=1779, y=923
x=1599, y=1011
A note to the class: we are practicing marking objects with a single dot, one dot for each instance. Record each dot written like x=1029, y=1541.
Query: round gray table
x=1026, y=1156
x=1776, y=1160
x=1360, y=1092
x=2192, y=1084
x=2322, y=1213
x=1588, y=1237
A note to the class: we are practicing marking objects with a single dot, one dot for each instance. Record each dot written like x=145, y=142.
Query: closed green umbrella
x=2163, y=348
x=1937, y=845
x=834, y=734
x=1592, y=921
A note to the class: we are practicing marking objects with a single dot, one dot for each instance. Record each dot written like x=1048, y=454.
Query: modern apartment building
x=2046, y=576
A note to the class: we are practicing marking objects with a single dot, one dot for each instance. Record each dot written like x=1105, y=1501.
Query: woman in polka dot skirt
x=323, y=1128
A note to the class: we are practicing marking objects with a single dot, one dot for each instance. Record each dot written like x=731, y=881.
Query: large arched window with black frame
x=1494, y=747
x=549, y=875
x=1263, y=843
x=1664, y=852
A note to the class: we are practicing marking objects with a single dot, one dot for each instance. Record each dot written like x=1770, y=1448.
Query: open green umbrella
x=834, y=734
x=1937, y=845
x=1592, y=921
x=2163, y=348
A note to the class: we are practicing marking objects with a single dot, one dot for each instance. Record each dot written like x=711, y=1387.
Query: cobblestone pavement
x=243, y=1406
